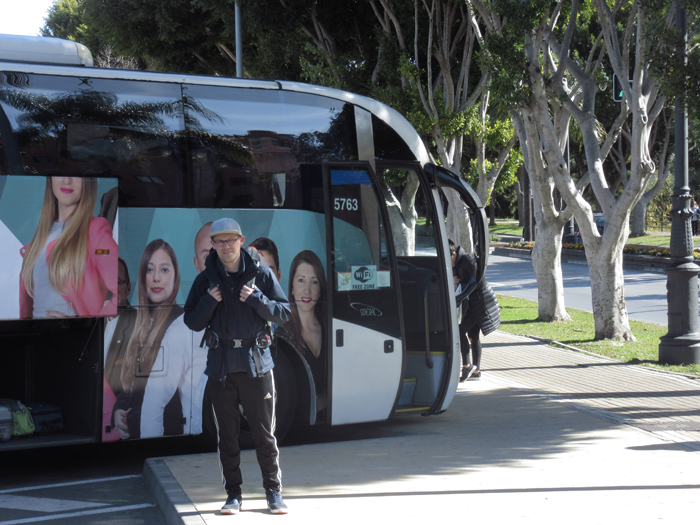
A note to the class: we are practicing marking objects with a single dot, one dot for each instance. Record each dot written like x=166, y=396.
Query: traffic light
x=618, y=92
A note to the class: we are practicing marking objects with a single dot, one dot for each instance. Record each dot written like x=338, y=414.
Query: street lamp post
x=239, y=41
x=681, y=345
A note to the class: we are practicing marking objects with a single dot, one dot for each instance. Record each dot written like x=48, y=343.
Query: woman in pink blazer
x=70, y=265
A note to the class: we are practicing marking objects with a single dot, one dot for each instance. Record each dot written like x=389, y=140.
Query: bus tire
x=285, y=403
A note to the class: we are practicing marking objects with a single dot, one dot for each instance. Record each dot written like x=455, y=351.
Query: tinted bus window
x=67, y=126
x=388, y=144
x=257, y=148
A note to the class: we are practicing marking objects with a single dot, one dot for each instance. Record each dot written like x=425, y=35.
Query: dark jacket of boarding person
x=234, y=298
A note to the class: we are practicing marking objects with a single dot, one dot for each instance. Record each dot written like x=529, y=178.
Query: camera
x=263, y=339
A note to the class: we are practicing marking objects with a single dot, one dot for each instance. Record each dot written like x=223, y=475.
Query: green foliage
x=496, y=132
x=504, y=55
x=660, y=206
x=66, y=19
x=676, y=73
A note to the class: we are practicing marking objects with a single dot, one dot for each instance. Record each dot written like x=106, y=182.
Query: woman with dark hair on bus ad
x=70, y=265
x=305, y=328
x=156, y=376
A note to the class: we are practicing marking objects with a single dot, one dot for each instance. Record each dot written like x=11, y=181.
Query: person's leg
x=464, y=343
x=465, y=328
x=224, y=400
x=258, y=402
x=473, y=335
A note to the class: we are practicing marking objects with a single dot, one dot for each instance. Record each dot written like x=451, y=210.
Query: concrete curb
x=171, y=499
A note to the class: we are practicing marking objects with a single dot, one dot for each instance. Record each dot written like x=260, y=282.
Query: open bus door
x=441, y=178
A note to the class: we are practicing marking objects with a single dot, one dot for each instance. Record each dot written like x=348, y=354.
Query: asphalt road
x=103, y=484
x=645, y=292
x=86, y=484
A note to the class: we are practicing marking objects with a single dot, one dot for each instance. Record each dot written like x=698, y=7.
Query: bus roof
x=44, y=50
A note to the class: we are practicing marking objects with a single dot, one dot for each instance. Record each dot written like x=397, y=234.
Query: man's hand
x=216, y=293
x=246, y=291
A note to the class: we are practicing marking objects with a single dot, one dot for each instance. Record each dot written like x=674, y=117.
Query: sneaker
x=467, y=372
x=232, y=505
x=476, y=375
x=276, y=504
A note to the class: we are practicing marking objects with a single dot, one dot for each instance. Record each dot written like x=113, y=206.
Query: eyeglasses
x=227, y=242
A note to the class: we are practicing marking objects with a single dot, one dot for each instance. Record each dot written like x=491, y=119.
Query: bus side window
x=133, y=131
x=412, y=222
x=258, y=148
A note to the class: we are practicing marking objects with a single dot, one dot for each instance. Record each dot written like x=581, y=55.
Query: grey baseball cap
x=225, y=225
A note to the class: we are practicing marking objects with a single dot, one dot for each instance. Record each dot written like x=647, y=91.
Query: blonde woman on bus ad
x=156, y=374
x=70, y=265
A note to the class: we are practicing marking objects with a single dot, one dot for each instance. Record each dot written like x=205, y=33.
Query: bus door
x=425, y=280
x=441, y=180
x=367, y=358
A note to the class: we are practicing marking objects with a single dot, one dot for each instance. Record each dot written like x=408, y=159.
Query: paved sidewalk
x=667, y=405
x=547, y=436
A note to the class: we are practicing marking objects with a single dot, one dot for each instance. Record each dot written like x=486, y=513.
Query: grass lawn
x=518, y=317
x=510, y=227
x=506, y=227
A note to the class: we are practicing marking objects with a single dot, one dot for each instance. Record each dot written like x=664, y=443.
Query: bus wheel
x=285, y=403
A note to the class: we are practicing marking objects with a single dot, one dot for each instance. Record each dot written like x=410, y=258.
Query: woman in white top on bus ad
x=159, y=352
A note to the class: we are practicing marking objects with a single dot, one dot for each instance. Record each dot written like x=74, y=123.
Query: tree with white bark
x=559, y=85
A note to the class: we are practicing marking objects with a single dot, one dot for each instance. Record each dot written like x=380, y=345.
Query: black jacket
x=233, y=319
x=483, y=309
x=482, y=306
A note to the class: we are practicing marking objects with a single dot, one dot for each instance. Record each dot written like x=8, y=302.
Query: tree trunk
x=639, y=218
x=458, y=224
x=608, y=294
x=403, y=215
x=403, y=233
x=519, y=193
x=546, y=261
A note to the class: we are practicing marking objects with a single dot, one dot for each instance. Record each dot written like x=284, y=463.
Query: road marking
x=44, y=504
x=76, y=514
x=68, y=483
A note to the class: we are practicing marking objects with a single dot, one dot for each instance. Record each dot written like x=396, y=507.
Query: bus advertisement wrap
x=153, y=364
x=54, y=267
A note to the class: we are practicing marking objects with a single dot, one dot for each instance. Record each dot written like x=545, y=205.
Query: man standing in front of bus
x=234, y=298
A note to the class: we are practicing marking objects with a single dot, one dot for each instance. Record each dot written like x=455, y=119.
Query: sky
x=23, y=17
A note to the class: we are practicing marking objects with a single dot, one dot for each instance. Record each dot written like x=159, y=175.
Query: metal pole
x=682, y=343
x=239, y=42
